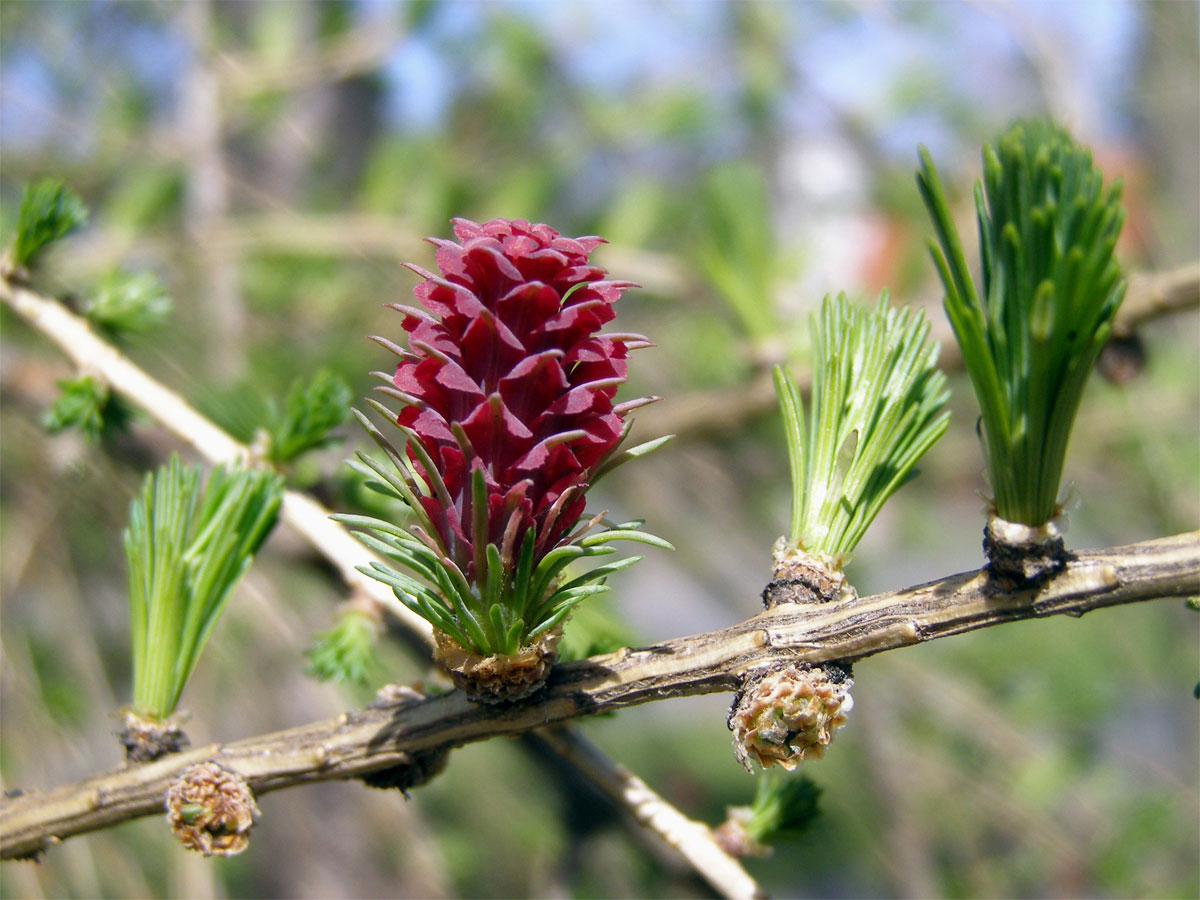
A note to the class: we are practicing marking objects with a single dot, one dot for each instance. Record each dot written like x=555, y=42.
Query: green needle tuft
x=877, y=406
x=187, y=544
x=1049, y=289
x=49, y=211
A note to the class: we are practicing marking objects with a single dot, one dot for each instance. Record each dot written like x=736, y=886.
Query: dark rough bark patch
x=800, y=578
x=423, y=768
x=146, y=740
x=1036, y=556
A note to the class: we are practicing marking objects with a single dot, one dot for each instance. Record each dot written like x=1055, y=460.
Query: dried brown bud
x=423, y=766
x=789, y=714
x=499, y=679
x=212, y=810
x=1122, y=359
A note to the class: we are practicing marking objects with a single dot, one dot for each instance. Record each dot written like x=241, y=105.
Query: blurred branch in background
x=208, y=196
x=1155, y=294
x=1150, y=296
x=360, y=50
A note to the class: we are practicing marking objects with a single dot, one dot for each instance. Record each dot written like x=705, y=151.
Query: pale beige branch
x=386, y=736
x=692, y=840
x=92, y=354
x=1151, y=295
x=362, y=50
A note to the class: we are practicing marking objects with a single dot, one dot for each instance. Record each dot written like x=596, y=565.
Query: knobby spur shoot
x=877, y=406
x=1031, y=331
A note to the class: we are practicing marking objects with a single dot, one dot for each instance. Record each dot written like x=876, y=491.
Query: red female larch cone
x=509, y=379
x=212, y=810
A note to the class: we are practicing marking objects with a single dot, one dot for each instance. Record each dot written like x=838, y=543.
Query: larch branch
x=386, y=736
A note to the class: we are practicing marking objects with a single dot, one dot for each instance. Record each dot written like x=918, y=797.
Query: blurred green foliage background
x=274, y=162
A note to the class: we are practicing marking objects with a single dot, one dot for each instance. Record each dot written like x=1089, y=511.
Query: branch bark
x=386, y=736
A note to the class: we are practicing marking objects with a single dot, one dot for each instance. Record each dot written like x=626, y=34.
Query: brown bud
x=212, y=810
x=1122, y=359
x=423, y=766
x=789, y=714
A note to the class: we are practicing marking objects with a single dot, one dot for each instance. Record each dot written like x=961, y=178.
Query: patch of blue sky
x=420, y=86
x=160, y=53
x=1101, y=37
x=610, y=45
x=614, y=45
x=28, y=102
x=968, y=58
x=54, y=98
x=852, y=61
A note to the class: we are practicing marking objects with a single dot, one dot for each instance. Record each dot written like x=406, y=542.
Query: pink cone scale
x=510, y=350
x=508, y=386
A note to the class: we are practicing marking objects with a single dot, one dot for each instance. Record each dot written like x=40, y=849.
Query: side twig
x=692, y=840
x=387, y=736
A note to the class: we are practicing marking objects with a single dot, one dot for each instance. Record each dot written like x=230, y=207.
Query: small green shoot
x=784, y=808
x=129, y=304
x=877, y=406
x=49, y=211
x=346, y=652
x=187, y=544
x=80, y=404
x=312, y=410
x=1050, y=288
x=86, y=403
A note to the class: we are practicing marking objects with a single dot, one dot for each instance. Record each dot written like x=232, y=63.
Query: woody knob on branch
x=508, y=388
